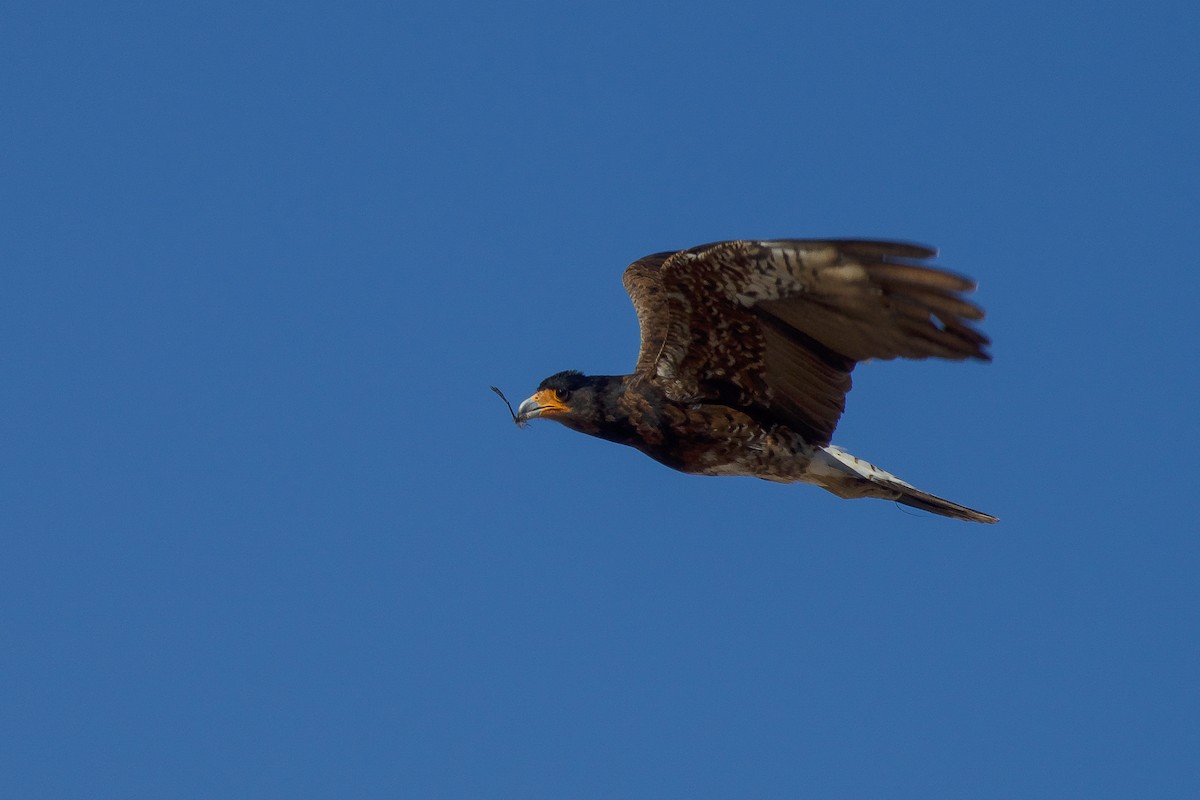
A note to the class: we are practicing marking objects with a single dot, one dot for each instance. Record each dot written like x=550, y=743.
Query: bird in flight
x=746, y=353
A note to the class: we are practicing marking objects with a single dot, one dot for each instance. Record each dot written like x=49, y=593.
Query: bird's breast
x=712, y=439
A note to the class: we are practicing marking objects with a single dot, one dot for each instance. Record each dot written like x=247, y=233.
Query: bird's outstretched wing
x=777, y=326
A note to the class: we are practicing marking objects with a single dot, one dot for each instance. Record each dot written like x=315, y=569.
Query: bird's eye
x=562, y=395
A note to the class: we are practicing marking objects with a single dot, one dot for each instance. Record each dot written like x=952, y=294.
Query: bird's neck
x=627, y=410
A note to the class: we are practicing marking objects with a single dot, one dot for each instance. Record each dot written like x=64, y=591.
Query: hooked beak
x=542, y=404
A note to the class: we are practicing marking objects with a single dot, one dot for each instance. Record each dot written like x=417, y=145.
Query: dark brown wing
x=778, y=326
x=645, y=288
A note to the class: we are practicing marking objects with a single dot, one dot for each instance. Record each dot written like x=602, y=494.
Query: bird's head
x=568, y=397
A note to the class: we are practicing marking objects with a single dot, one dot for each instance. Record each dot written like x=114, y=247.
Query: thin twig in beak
x=516, y=421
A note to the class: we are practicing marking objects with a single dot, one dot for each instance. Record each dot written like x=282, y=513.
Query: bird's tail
x=846, y=476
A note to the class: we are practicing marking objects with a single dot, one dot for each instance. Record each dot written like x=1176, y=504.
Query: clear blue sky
x=266, y=532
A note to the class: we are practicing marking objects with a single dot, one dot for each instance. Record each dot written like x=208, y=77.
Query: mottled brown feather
x=648, y=294
x=775, y=327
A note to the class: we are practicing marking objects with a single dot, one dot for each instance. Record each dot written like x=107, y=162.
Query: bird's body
x=746, y=354
x=696, y=438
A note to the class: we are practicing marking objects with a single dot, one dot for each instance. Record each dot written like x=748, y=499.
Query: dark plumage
x=746, y=353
